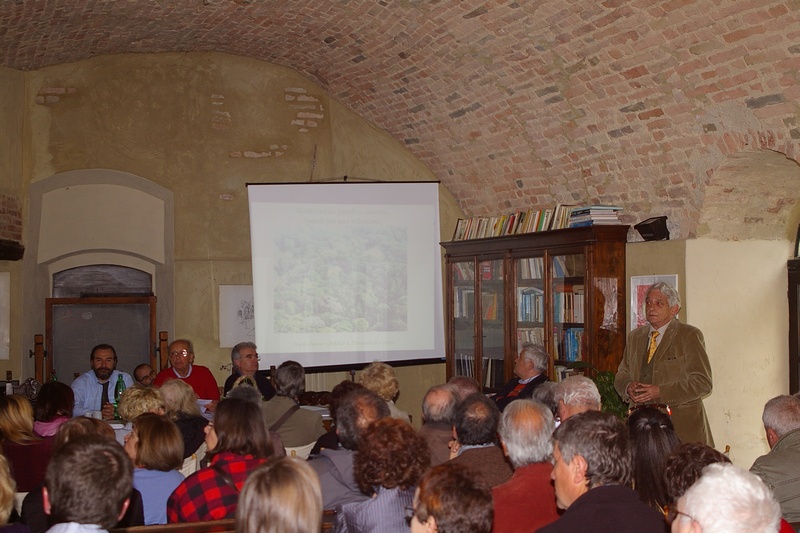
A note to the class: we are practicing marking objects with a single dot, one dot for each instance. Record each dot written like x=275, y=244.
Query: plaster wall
x=737, y=295
x=203, y=125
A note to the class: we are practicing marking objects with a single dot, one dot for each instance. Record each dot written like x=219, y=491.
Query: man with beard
x=94, y=390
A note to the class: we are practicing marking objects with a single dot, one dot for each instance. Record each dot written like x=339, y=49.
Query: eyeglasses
x=671, y=514
x=181, y=353
x=250, y=357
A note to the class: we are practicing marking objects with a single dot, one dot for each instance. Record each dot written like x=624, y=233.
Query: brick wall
x=511, y=103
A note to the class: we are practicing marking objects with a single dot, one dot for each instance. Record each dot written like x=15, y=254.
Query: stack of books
x=594, y=215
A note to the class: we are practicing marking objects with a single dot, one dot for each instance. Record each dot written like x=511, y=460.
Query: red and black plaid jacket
x=205, y=496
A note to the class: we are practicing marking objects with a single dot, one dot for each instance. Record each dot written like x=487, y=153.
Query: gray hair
x=235, y=352
x=526, y=428
x=245, y=391
x=546, y=393
x=579, y=390
x=731, y=499
x=290, y=379
x=782, y=414
x=673, y=298
x=602, y=440
x=439, y=404
x=536, y=354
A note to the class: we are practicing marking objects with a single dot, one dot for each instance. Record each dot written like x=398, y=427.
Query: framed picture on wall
x=639, y=286
x=236, y=315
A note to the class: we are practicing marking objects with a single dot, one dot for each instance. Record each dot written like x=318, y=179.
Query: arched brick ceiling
x=511, y=103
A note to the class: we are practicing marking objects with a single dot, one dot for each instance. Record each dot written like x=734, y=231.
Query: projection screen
x=346, y=273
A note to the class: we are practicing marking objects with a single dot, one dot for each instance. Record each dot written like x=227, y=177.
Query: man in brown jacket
x=666, y=362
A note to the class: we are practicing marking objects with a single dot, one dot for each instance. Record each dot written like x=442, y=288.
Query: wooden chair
x=215, y=526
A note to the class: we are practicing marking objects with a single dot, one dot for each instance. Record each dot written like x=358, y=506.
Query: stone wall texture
x=512, y=104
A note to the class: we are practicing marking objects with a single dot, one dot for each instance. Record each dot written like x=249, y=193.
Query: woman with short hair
x=238, y=442
x=451, y=500
x=381, y=379
x=283, y=496
x=155, y=447
x=180, y=402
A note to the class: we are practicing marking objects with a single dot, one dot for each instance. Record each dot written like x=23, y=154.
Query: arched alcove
x=752, y=195
x=83, y=218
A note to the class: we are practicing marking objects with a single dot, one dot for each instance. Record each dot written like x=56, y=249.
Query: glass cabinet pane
x=464, y=317
x=569, y=305
x=530, y=301
x=492, y=323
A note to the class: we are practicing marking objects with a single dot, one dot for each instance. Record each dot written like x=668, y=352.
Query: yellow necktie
x=652, y=348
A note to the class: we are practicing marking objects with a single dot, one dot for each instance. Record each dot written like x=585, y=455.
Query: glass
x=493, y=323
x=568, y=291
x=530, y=301
x=251, y=356
x=464, y=317
x=181, y=353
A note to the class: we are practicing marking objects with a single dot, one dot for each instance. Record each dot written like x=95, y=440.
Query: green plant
x=612, y=403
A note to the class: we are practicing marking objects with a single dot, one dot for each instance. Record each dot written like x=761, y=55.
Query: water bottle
x=119, y=388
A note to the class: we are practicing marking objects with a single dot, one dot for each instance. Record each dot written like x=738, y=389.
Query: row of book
x=569, y=304
x=535, y=220
x=572, y=345
x=530, y=304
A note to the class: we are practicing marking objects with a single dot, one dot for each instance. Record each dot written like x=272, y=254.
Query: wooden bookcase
x=564, y=289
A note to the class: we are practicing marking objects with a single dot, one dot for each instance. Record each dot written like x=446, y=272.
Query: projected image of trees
x=341, y=279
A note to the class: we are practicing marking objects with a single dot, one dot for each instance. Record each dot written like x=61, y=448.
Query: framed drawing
x=236, y=315
x=639, y=286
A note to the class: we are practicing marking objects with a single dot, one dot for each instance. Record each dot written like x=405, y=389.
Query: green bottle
x=119, y=388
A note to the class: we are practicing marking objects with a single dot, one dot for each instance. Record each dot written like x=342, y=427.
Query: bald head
x=439, y=404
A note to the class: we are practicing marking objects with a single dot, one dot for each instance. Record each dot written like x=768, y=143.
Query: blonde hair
x=380, y=379
x=139, y=400
x=179, y=398
x=16, y=419
x=7, y=490
x=282, y=496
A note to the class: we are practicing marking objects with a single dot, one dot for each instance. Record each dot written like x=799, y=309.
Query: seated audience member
x=26, y=452
x=200, y=378
x=237, y=443
x=653, y=438
x=330, y=439
x=296, y=426
x=726, y=499
x=180, y=406
x=94, y=390
x=451, y=500
x=381, y=379
x=438, y=407
x=357, y=410
x=546, y=393
x=527, y=501
x=7, y=491
x=33, y=514
x=155, y=447
x=54, y=406
x=475, y=424
x=390, y=462
x=685, y=465
x=530, y=367
x=244, y=359
x=137, y=401
x=780, y=468
x=246, y=390
x=577, y=394
x=144, y=375
x=592, y=477
x=88, y=485
x=282, y=496
x=464, y=386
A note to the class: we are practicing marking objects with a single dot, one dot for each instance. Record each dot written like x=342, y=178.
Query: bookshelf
x=564, y=289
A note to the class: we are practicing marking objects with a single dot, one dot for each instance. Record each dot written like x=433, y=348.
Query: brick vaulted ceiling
x=511, y=103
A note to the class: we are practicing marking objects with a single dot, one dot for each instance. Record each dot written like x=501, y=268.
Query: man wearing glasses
x=200, y=378
x=245, y=363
